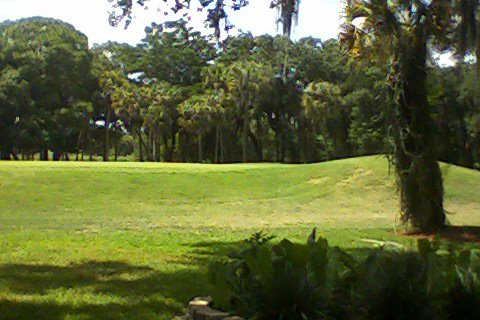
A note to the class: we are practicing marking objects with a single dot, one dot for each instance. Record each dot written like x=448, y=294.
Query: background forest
x=177, y=96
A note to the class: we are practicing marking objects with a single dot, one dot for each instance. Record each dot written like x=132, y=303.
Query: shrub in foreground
x=291, y=281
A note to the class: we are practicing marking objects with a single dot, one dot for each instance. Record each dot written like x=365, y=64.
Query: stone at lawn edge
x=206, y=300
x=207, y=313
x=198, y=303
x=199, y=309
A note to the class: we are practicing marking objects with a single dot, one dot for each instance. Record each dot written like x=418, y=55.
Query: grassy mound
x=98, y=240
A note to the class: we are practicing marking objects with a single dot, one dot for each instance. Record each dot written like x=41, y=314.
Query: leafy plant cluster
x=289, y=280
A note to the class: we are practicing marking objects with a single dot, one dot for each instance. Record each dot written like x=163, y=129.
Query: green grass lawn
x=96, y=240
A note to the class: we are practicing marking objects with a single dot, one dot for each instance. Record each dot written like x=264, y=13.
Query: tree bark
x=477, y=56
x=116, y=149
x=149, y=146
x=260, y=141
x=166, y=153
x=173, y=144
x=256, y=145
x=56, y=155
x=106, y=146
x=44, y=155
x=140, y=150
x=244, y=138
x=158, y=147
x=217, y=141
x=415, y=159
x=222, y=148
x=4, y=155
x=200, y=148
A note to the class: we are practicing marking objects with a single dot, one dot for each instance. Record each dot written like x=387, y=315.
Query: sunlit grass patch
x=97, y=240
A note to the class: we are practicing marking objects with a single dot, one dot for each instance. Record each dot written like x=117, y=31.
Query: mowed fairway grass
x=82, y=240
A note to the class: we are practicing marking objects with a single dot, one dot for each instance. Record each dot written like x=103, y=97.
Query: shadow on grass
x=24, y=310
x=209, y=251
x=95, y=290
x=205, y=251
x=115, y=289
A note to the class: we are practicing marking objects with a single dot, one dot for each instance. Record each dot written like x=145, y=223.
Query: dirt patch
x=455, y=233
x=359, y=174
x=318, y=180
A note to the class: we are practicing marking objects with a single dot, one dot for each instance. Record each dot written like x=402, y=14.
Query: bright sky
x=318, y=18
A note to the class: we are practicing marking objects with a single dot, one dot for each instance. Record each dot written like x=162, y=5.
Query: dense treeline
x=178, y=97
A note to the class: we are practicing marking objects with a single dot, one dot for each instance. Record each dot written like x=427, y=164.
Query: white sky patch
x=87, y=16
x=318, y=18
x=444, y=59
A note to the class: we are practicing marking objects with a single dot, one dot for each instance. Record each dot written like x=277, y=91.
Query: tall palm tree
x=215, y=79
x=288, y=11
x=246, y=80
x=398, y=33
x=126, y=101
x=468, y=29
x=198, y=114
x=108, y=81
x=322, y=108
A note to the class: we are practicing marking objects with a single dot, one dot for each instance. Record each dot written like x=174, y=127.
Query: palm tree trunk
x=173, y=143
x=5, y=155
x=44, y=155
x=244, y=138
x=148, y=146
x=166, y=156
x=158, y=147
x=217, y=141
x=106, y=146
x=116, y=149
x=222, y=148
x=200, y=149
x=419, y=176
x=140, y=149
x=301, y=132
x=260, y=140
x=477, y=55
